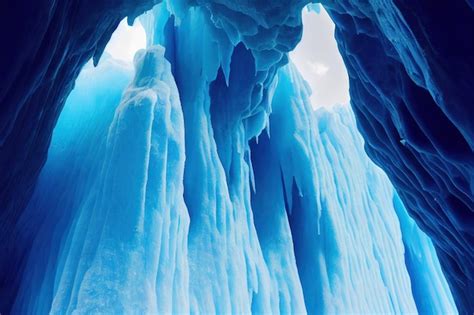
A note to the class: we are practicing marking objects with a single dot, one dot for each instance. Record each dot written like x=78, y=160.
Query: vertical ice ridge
x=134, y=249
x=227, y=270
x=361, y=232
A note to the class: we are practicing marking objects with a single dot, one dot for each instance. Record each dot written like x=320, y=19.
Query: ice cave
x=237, y=157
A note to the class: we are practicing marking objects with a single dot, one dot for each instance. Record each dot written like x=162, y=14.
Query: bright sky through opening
x=126, y=40
x=319, y=61
x=316, y=56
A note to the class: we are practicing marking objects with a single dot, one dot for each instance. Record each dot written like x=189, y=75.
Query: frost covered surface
x=166, y=207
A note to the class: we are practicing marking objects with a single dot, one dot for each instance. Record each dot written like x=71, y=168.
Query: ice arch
x=422, y=45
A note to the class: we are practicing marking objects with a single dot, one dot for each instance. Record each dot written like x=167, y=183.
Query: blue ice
x=207, y=184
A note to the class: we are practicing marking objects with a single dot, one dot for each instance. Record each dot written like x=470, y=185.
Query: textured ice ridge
x=299, y=222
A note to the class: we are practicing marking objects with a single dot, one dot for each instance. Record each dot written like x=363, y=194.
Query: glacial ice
x=411, y=84
x=207, y=186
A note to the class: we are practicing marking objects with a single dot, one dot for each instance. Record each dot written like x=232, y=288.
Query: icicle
x=267, y=126
x=251, y=171
x=99, y=49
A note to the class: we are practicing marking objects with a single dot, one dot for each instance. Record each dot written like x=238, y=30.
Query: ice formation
x=212, y=187
x=208, y=185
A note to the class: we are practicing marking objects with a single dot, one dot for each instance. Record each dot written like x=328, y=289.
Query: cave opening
x=319, y=61
x=312, y=214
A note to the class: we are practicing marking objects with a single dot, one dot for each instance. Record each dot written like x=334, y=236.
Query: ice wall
x=410, y=66
x=411, y=82
x=121, y=242
x=165, y=207
x=356, y=249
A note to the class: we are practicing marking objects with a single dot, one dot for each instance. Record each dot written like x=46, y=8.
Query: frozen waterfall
x=192, y=183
